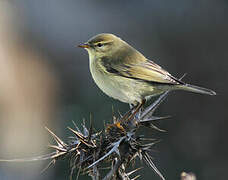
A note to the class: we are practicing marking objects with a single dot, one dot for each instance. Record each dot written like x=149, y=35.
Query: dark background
x=56, y=87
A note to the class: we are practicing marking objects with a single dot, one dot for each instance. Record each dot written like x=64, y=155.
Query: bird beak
x=84, y=45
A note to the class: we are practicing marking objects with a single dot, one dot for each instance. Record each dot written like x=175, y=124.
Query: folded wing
x=146, y=71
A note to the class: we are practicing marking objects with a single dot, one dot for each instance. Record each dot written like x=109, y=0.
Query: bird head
x=103, y=45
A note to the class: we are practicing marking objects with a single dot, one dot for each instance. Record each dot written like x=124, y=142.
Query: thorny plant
x=118, y=145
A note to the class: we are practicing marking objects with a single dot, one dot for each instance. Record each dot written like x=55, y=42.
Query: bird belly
x=112, y=86
x=124, y=89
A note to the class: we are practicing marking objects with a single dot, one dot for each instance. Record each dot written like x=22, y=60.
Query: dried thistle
x=119, y=145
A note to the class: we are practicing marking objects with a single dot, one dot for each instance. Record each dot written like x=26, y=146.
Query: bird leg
x=136, y=109
x=129, y=112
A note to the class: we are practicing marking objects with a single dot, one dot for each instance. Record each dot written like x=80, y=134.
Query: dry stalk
x=119, y=145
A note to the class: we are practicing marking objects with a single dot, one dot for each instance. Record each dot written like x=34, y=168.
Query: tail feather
x=197, y=89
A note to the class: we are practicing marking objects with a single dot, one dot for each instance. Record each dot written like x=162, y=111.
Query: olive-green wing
x=146, y=71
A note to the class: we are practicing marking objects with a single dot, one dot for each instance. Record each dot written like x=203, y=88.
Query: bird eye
x=99, y=45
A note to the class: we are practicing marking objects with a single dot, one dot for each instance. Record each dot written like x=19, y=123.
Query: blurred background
x=45, y=80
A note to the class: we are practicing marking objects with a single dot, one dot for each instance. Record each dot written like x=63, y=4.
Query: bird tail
x=196, y=89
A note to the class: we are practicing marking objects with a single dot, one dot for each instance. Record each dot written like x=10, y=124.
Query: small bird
x=125, y=74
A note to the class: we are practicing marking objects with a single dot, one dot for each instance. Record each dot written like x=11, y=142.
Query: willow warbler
x=125, y=74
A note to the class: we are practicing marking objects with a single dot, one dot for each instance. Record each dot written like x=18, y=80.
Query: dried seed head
x=119, y=145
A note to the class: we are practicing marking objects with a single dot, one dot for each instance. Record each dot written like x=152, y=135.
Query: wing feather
x=146, y=71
